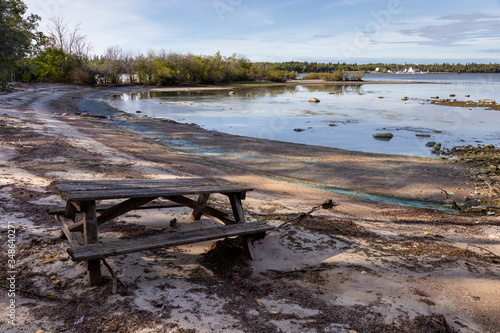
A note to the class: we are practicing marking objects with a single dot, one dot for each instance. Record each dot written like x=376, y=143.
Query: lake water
x=346, y=117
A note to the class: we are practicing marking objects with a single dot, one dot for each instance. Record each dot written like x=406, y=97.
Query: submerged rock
x=299, y=129
x=383, y=136
x=430, y=144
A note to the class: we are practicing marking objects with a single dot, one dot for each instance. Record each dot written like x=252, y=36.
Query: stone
x=404, y=98
x=299, y=129
x=430, y=144
x=435, y=97
x=314, y=100
x=452, y=95
x=383, y=136
x=467, y=95
x=436, y=148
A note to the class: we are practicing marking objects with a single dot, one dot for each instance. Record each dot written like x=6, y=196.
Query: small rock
x=231, y=93
x=430, y=144
x=138, y=111
x=435, y=97
x=381, y=97
x=383, y=136
x=314, y=100
x=364, y=272
x=467, y=95
x=452, y=95
x=299, y=129
x=436, y=148
x=404, y=98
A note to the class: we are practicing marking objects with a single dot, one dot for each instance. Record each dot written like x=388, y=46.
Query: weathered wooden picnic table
x=81, y=201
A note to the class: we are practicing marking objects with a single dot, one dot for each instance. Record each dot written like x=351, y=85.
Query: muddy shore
x=392, y=255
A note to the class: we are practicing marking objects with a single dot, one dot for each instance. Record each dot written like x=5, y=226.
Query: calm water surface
x=346, y=117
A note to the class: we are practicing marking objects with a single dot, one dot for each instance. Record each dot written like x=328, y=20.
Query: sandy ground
x=365, y=265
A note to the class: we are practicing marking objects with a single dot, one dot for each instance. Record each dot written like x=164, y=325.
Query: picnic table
x=80, y=217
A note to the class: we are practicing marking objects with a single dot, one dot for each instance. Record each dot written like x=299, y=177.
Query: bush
x=312, y=76
x=335, y=76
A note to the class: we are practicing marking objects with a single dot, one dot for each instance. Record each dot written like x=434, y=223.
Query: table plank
x=148, y=192
x=86, y=185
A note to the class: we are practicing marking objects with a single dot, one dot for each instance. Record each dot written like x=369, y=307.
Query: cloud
x=491, y=51
x=463, y=29
x=322, y=36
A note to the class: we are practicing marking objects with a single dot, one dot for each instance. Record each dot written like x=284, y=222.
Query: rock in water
x=314, y=100
x=436, y=148
x=383, y=136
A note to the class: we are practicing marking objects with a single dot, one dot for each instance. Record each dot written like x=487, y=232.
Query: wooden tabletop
x=88, y=190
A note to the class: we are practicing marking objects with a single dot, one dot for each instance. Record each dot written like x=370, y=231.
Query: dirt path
x=363, y=265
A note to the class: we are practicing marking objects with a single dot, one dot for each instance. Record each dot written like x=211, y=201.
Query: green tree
x=16, y=35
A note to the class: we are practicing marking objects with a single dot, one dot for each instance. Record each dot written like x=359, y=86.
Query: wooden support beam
x=239, y=218
x=70, y=211
x=197, y=212
x=122, y=208
x=91, y=237
x=207, y=210
x=75, y=238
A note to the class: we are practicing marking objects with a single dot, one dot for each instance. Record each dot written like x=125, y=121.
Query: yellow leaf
x=50, y=294
x=57, y=281
x=53, y=277
x=57, y=256
x=426, y=233
x=206, y=183
x=258, y=302
x=48, y=260
x=39, y=331
x=183, y=287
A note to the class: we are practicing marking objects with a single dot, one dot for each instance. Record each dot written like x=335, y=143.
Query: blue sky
x=326, y=31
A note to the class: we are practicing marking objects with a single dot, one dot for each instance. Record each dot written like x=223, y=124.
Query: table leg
x=202, y=199
x=91, y=237
x=239, y=217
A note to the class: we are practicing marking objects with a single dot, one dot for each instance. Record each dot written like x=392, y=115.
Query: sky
x=352, y=31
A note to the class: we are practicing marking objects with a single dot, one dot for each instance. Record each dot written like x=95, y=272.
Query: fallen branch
x=53, y=143
x=113, y=276
x=325, y=205
x=483, y=249
x=453, y=202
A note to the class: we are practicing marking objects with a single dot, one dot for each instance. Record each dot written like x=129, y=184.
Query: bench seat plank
x=60, y=210
x=113, y=248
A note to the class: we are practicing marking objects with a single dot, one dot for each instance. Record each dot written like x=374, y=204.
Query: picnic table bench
x=134, y=194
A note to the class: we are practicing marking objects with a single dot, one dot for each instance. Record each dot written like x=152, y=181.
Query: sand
x=364, y=265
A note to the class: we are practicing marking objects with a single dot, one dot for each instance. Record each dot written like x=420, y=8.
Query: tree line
x=315, y=67
x=63, y=56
